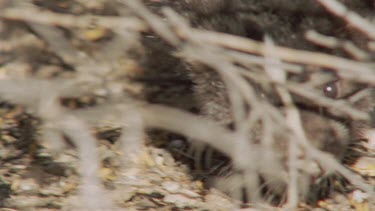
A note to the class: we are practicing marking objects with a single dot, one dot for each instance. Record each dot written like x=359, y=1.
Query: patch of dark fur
x=285, y=21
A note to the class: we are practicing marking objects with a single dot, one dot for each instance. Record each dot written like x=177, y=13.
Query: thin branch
x=350, y=17
x=333, y=42
x=153, y=21
x=348, y=69
x=278, y=76
x=30, y=15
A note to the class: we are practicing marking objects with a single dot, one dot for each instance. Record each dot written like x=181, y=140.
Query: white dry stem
x=337, y=8
x=20, y=42
x=92, y=191
x=42, y=98
x=132, y=136
x=333, y=42
x=308, y=92
x=32, y=15
x=63, y=48
x=152, y=20
x=249, y=61
x=340, y=105
x=345, y=68
x=278, y=76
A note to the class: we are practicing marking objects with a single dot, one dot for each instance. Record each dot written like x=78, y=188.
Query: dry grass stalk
x=221, y=52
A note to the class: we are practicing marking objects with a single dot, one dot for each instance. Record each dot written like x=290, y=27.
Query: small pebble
x=359, y=196
x=28, y=186
x=170, y=186
x=159, y=160
x=179, y=200
x=189, y=193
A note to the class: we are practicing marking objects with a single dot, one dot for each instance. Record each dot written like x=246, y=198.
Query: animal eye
x=332, y=89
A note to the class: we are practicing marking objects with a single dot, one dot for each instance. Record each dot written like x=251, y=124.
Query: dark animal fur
x=326, y=133
x=329, y=131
